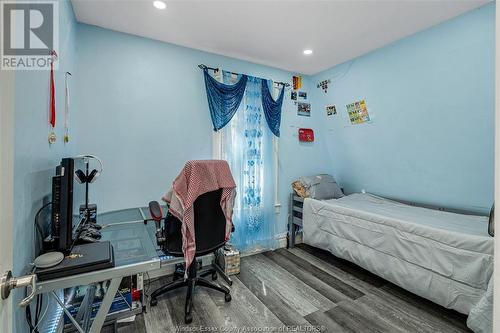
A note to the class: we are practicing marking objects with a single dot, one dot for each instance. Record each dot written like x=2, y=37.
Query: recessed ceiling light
x=159, y=4
x=308, y=51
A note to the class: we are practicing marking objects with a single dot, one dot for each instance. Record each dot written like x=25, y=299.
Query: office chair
x=210, y=228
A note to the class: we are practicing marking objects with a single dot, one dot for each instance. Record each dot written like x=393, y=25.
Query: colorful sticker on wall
x=304, y=109
x=358, y=113
x=331, y=110
x=302, y=95
x=306, y=135
x=297, y=82
x=293, y=95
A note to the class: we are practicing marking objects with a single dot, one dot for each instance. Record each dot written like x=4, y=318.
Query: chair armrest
x=157, y=215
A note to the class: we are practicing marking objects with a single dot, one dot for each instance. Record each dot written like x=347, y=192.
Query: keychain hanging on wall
x=66, y=108
x=52, y=100
x=324, y=85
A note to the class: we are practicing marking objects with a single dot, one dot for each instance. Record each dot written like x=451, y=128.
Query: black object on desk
x=83, y=258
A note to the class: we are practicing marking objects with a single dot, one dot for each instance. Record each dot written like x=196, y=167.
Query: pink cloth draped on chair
x=197, y=178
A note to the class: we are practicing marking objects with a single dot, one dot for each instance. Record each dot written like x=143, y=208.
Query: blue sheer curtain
x=272, y=108
x=223, y=99
x=247, y=146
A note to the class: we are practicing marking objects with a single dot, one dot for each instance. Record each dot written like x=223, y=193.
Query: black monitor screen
x=80, y=170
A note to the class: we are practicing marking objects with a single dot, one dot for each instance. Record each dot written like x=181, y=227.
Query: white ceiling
x=274, y=33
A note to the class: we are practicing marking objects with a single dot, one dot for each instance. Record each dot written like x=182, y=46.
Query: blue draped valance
x=223, y=99
x=272, y=108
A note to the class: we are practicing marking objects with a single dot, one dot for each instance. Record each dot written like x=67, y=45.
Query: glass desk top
x=134, y=246
x=132, y=240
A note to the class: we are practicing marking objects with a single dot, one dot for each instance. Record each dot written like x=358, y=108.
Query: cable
x=43, y=315
x=37, y=225
x=28, y=308
x=39, y=299
x=37, y=308
x=29, y=318
x=39, y=303
x=146, y=290
x=342, y=75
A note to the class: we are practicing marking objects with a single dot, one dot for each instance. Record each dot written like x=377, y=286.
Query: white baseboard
x=281, y=243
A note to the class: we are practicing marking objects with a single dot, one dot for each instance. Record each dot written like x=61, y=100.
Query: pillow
x=321, y=187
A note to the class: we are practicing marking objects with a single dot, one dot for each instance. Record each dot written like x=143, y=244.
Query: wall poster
x=331, y=110
x=304, y=109
x=358, y=113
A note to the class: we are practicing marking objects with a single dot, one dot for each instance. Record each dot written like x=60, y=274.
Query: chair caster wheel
x=154, y=302
x=227, y=297
x=188, y=319
x=214, y=276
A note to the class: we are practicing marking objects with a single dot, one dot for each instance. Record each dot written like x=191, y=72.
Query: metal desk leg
x=105, y=305
x=87, y=316
x=61, y=304
x=83, y=306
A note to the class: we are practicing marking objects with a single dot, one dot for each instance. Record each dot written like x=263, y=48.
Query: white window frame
x=276, y=156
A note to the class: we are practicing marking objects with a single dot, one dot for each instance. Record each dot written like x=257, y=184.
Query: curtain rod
x=202, y=66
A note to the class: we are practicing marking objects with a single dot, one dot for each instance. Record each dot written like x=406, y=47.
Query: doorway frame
x=7, y=103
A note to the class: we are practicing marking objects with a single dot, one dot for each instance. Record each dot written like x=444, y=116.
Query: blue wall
x=34, y=159
x=143, y=109
x=431, y=97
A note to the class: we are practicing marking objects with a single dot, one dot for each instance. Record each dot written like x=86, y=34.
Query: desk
x=135, y=252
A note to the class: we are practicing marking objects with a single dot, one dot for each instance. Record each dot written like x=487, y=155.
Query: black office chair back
x=209, y=225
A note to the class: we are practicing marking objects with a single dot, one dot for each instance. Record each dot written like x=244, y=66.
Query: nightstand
x=294, y=217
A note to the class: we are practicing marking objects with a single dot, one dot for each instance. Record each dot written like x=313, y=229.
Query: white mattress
x=445, y=257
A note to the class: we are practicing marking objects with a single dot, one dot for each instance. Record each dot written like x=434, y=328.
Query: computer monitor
x=68, y=193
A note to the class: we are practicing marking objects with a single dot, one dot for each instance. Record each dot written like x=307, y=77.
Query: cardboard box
x=228, y=259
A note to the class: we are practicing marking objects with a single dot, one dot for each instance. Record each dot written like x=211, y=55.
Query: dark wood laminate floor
x=303, y=288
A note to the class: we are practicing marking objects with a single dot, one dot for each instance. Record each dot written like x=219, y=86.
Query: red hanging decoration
x=52, y=117
x=52, y=103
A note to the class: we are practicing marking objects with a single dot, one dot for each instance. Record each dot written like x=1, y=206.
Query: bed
x=444, y=257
